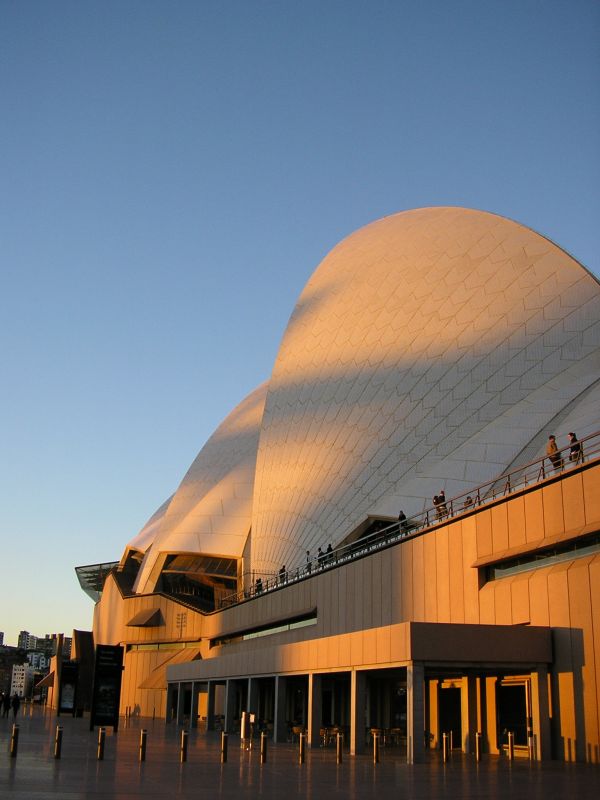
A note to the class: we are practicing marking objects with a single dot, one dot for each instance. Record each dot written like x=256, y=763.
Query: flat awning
x=158, y=678
x=148, y=618
x=47, y=681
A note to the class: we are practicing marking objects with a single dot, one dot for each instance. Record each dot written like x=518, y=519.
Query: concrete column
x=358, y=709
x=315, y=710
x=468, y=715
x=230, y=695
x=279, y=722
x=540, y=711
x=210, y=707
x=415, y=712
x=194, y=708
x=180, y=700
x=490, y=733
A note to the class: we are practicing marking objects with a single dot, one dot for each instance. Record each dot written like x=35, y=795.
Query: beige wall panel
x=396, y=582
x=519, y=592
x=503, y=601
x=484, y=532
x=418, y=580
x=442, y=572
x=553, y=509
x=368, y=566
x=384, y=649
x=499, y=527
x=400, y=642
x=370, y=646
x=325, y=603
x=538, y=597
x=591, y=494
x=516, y=521
x=342, y=608
x=429, y=577
x=594, y=568
x=565, y=721
x=487, y=604
x=584, y=657
x=455, y=573
x=385, y=616
x=406, y=580
x=334, y=600
x=333, y=650
x=469, y=574
x=345, y=650
x=574, y=511
x=534, y=516
x=354, y=596
x=356, y=649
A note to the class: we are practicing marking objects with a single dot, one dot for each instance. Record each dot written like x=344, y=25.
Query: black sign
x=106, y=694
x=67, y=690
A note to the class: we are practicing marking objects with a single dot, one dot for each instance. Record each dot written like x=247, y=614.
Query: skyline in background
x=173, y=174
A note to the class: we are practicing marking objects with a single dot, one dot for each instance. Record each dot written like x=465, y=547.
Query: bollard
x=511, y=746
x=301, y=750
x=184, y=747
x=376, y=748
x=531, y=747
x=445, y=747
x=58, y=741
x=223, y=747
x=338, y=748
x=101, y=740
x=14, y=741
x=451, y=746
x=143, y=740
x=263, y=748
x=478, y=746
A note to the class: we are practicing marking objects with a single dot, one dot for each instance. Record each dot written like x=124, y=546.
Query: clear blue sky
x=172, y=173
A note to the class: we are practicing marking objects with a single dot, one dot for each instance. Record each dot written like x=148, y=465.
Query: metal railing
x=508, y=482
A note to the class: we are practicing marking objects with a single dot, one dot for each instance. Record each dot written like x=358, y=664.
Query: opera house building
x=302, y=571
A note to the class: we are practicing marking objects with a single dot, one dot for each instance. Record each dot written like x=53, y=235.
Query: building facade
x=377, y=540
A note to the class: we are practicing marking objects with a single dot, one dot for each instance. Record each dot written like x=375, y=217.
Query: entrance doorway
x=450, y=714
x=512, y=704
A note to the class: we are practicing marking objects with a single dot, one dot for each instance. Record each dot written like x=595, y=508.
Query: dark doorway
x=511, y=703
x=450, y=715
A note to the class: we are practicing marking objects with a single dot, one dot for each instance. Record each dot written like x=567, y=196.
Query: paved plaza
x=36, y=775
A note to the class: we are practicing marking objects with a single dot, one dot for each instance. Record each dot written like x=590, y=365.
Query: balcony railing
x=508, y=482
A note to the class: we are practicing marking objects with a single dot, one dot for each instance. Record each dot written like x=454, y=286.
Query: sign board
x=106, y=694
x=67, y=690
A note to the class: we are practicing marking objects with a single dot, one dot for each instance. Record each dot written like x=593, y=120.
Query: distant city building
x=46, y=644
x=39, y=661
x=27, y=641
x=22, y=680
x=1, y=637
x=9, y=656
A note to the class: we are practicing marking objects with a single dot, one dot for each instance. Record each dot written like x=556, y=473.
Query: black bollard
x=143, y=740
x=302, y=748
x=223, y=748
x=14, y=741
x=478, y=746
x=263, y=748
x=338, y=748
x=101, y=740
x=58, y=741
x=376, y=748
x=445, y=747
x=184, y=747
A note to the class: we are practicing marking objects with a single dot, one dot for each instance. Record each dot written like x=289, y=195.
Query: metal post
x=58, y=741
x=445, y=747
x=338, y=748
x=263, y=748
x=223, y=747
x=14, y=741
x=184, y=747
x=531, y=747
x=511, y=746
x=101, y=740
x=451, y=741
x=478, y=746
x=143, y=740
x=301, y=749
x=376, y=748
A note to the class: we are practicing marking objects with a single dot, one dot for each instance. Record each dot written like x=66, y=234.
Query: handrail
x=506, y=483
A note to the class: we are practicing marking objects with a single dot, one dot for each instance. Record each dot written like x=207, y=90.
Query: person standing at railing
x=402, y=521
x=576, y=451
x=442, y=504
x=308, y=562
x=553, y=453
